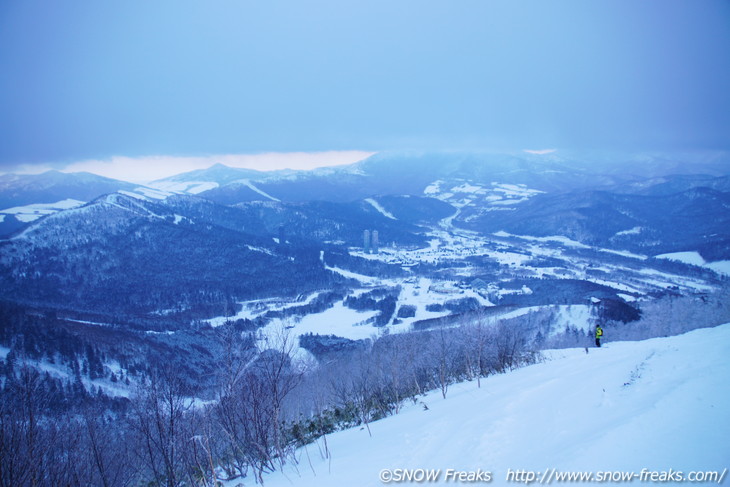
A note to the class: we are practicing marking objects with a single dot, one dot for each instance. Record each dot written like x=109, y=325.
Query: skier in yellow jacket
x=599, y=335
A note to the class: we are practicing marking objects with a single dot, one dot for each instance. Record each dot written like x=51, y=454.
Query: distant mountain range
x=412, y=173
x=380, y=175
x=198, y=240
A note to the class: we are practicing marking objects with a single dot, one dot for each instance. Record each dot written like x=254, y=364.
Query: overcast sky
x=158, y=80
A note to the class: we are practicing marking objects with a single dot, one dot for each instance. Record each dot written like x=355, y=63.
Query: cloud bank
x=150, y=168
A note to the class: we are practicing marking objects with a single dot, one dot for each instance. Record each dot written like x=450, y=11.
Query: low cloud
x=149, y=168
x=540, y=152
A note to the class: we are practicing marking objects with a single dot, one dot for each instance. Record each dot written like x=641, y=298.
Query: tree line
x=267, y=406
x=270, y=402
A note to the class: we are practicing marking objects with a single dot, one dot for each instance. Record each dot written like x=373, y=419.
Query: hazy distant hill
x=25, y=198
x=53, y=186
x=646, y=224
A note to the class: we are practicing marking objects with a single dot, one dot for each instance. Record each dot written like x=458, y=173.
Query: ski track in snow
x=657, y=404
x=380, y=209
x=250, y=185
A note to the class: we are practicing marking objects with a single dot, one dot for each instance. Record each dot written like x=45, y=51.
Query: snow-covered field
x=629, y=407
x=516, y=255
x=461, y=193
x=694, y=258
x=31, y=213
x=192, y=187
x=348, y=323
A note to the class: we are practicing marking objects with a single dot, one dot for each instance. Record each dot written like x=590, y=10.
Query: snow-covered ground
x=694, y=258
x=495, y=196
x=31, y=213
x=516, y=253
x=348, y=323
x=144, y=193
x=191, y=187
x=629, y=407
x=578, y=316
x=721, y=267
x=518, y=256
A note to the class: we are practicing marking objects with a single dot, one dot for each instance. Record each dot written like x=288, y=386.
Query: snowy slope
x=694, y=258
x=657, y=404
x=379, y=208
x=33, y=212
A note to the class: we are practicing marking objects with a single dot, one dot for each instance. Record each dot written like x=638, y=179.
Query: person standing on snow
x=599, y=335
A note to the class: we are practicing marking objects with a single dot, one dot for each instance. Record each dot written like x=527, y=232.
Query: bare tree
x=280, y=377
x=250, y=409
x=158, y=417
x=444, y=352
x=106, y=448
x=353, y=385
x=24, y=443
x=229, y=414
x=203, y=450
x=479, y=338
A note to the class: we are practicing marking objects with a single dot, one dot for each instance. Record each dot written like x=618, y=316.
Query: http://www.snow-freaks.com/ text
x=548, y=476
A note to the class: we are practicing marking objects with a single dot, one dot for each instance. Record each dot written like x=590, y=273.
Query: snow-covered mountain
x=123, y=253
x=197, y=181
x=53, y=186
x=693, y=219
x=26, y=198
x=611, y=415
x=633, y=202
x=386, y=174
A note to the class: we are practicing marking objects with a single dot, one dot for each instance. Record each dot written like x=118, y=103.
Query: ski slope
x=653, y=405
